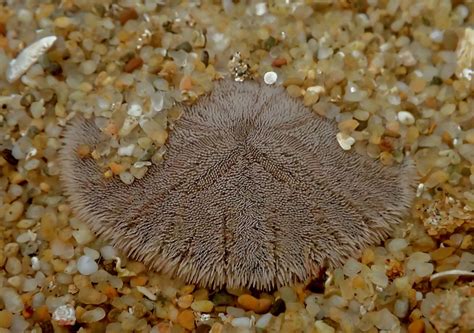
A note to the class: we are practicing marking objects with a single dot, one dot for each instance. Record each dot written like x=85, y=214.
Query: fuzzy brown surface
x=254, y=192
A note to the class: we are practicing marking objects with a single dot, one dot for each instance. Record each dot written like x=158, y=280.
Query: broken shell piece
x=345, y=141
x=64, y=315
x=122, y=272
x=28, y=57
x=451, y=273
x=465, y=55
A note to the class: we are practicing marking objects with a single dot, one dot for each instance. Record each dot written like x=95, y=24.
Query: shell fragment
x=28, y=57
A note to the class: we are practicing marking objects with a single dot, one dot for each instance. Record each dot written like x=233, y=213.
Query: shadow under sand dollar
x=254, y=191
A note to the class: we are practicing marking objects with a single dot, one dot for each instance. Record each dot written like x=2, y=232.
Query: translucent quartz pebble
x=86, y=265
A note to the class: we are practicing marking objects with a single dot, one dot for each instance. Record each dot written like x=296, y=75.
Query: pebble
x=278, y=307
x=6, y=319
x=401, y=307
x=86, y=265
x=264, y=320
x=185, y=301
x=92, y=316
x=14, y=211
x=417, y=85
x=279, y=62
x=127, y=14
x=397, y=245
x=416, y=258
x=235, y=312
x=26, y=223
x=424, y=269
x=11, y=300
x=242, y=322
x=322, y=327
x=83, y=235
x=133, y=64
x=248, y=302
x=417, y=326
x=384, y=320
x=406, y=118
x=202, y=306
x=352, y=267
x=63, y=22
x=13, y=266
x=90, y=295
x=186, y=319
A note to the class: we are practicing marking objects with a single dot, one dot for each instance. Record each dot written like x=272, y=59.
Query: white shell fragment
x=465, y=55
x=345, y=141
x=451, y=273
x=28, y=57
x=64, y=315
x=270, y=77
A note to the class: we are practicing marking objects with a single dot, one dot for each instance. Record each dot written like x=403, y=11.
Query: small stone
x=384, y=320
x=202, y=306
x=186, y=83
x=86, y=265
x=63, y=22
x=203, y=328
x=417, y=84
x=406, y=118
x=14, y=211
x=450, y=40
x=348, y=125
x=263, y=321
x=294, y=91
x=83, y=235
x=264, y=305
x=242, y=322
x=108, y=252
x=424, y=269
x=133, y=64
x=126, y=150
x=322, y=327
x=442, y=253
x=89, y=295
x=248, y=302
x=6, y=319
x=93, y=316
x=397, y=245
x=222, y=298
x=352, y=267
x=127, y=14
x=185, y=46
x=13, y=266
x=186, y=319
x=401, y=307
x=279, y=62
x=417, y=326
x=185, y=301
x=278, y=307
